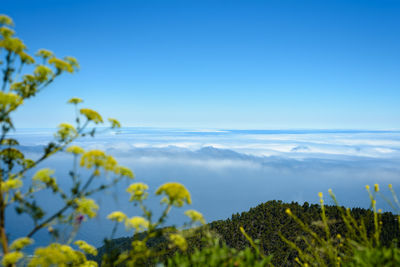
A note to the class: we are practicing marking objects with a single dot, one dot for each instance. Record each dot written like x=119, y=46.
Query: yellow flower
x=195, y=216
x=376, y=187
x=97, y=158
x=390, y=186
x=75, y=100
x=117, y=216
x=86, y=206
x=124, y=171
x=85, y=247
x=91, y=115
x=12, y=258
x=6, y=20
x=9, y=101
x=178, y=241
x=320, y=194
x=75, y=150
x=26, y=58
x=137, y=191
x=72, y=61
x=43, y=53
x=65, y=131
x=42, y=73
x=367, y=187
x=114, y=123
x=11, y=184
x=288, y=212
x=61, y=65
x=176, y=194
x=138, y=223
x=57, y=255
x=6, y=32
x=20, y=243
x=45, y=176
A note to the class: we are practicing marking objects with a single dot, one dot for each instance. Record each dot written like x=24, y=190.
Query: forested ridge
x=267, y=221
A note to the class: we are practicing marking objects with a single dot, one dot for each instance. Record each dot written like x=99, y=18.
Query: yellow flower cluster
x=176, y=194
x=195, y=216
x=75, y=100
x=114, y=123
x=20, y=243
x=65, y=131
x=43, y=53
x=178, y=241
x=12, y=258
x=124, y=171
x=11, y=184
x=85, y=247
x=59, y=255
x=91, y=115
x=376, y=187
x=97, y=158
x=87, y=207
x=45, y=176
x=6, y=20
x=9, y=102
x=76, y=150
x=138, y=191
x=138, y=223
x=117, y=216
x=42, y=73
x=61, y=65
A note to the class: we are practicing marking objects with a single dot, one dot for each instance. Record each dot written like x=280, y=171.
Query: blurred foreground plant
x=359, y=246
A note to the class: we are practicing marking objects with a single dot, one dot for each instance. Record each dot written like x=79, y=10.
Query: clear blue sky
x=219, y=64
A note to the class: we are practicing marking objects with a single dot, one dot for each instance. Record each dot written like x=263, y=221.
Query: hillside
x=265, y=221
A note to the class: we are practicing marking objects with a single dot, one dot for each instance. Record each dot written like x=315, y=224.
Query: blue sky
x=219, y=64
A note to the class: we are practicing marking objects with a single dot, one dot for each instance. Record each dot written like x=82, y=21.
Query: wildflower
x=12, y=258
x=65, y=131
x=6, y=32
x=139, y=223
x=9, y=101
x=79, y=219
x=117, y=216
x=114, y=123
x=75, y=150
x=43, y=53
x=26, y=58
x=376, y=187
x=72, y=61
x=137, y=191
x=75, y=100
x=124, y=171
x=367, y=187
x=85, y=247
x=45, y=176
x=57, y=255
x=42, y=73
x=20, y=243
x=320, y=195
x=97, y=158
x=11, y=184
x=288, y=212
x=178, y=241
x=195, y=216
x=86, y=206
x=61, y=65
x=390, y=186
x=176, y=194
x=6, y=20
x=91, y=115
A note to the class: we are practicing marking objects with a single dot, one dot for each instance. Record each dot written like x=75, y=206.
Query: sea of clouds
x=229, y=171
